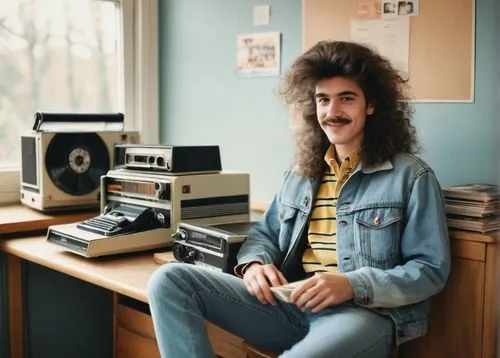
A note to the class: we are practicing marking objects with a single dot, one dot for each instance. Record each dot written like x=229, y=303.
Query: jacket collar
x=368, y=169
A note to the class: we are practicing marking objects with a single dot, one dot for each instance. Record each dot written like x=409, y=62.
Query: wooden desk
x=462, y=320
x=125, y=275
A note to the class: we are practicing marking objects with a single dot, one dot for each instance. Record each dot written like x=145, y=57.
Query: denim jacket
x=392, y=237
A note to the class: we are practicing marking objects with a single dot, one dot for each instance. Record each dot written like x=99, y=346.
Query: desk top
x=127, y=274
x=19, y=218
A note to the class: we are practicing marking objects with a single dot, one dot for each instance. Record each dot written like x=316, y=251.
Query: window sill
x=9, y=186
x=18, y=218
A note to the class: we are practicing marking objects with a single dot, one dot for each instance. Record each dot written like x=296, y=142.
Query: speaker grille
x=28, y=157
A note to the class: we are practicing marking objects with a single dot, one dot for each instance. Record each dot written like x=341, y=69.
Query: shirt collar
x=355, y=158
x=352, y=160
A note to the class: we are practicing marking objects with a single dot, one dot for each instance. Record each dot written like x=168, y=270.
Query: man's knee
x=167, y=278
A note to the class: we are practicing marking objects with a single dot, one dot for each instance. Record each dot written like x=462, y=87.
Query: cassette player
x=212, y=246
x=141, y=211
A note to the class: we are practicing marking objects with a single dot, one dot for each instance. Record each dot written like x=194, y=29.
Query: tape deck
x=64, y=157
x=173, y=160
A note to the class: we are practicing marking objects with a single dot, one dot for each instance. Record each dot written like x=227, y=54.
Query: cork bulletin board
x=441, y=57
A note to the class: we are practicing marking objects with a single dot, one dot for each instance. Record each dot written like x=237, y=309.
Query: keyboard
x=107, y=225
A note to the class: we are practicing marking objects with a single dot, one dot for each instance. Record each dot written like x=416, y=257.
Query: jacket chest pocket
x=378, y=233
x=287, y=217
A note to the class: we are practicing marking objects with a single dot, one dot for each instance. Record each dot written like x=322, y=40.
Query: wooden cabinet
x=462, y=318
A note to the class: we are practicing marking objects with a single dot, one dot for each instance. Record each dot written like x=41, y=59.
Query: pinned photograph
x=408, y=8
x=258, y=54
x=389, y=8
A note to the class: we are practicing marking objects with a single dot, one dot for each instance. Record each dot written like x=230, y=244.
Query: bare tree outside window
x=55, y=55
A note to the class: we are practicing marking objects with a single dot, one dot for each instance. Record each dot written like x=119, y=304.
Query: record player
x=64, y=157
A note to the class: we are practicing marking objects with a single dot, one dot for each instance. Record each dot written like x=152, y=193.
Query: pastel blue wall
x=203, y=102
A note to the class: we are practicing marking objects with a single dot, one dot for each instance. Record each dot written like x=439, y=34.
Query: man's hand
x=258, y=278
x=321, y=291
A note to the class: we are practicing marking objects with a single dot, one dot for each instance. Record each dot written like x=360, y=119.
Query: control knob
x=183, y=253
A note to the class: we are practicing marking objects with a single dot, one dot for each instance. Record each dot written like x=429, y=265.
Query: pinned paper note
x=368, y=9
x=261, y=15
x=390, y=37
x=258, y=54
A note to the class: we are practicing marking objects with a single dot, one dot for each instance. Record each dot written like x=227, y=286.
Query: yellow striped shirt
x=321, y=252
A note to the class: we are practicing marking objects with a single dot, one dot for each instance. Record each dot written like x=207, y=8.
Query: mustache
x=335, y=120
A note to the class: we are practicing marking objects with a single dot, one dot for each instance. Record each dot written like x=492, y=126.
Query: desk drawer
x=134, y=331
x=134, y=321
x=132, y=345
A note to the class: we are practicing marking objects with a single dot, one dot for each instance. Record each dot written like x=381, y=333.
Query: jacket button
x=376, y=220
x=343, y=222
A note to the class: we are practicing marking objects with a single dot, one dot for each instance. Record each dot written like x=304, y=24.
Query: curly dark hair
x=387, y=131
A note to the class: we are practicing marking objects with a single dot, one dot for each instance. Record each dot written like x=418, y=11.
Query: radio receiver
x=211, y=246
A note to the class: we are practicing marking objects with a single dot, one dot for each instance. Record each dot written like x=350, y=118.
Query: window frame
x=139, y=85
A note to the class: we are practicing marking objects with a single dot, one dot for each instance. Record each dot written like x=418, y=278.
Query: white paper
x=261, y=15
x=284, y=292
x=389, y=36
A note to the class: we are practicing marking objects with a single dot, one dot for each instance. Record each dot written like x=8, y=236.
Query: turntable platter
x=75, y=162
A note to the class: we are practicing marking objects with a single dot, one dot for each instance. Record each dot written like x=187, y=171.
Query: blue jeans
x=181, y=296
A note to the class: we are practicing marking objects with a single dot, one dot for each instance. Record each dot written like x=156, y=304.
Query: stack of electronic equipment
x=151, y=189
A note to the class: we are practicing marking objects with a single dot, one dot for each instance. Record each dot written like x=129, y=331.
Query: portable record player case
x=61, y=168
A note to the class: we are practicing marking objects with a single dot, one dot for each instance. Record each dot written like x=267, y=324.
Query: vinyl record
x=75, y=162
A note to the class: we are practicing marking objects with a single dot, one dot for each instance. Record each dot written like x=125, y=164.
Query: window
x=74, y=55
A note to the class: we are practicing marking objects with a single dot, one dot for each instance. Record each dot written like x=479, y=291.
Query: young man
x=359, y=221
